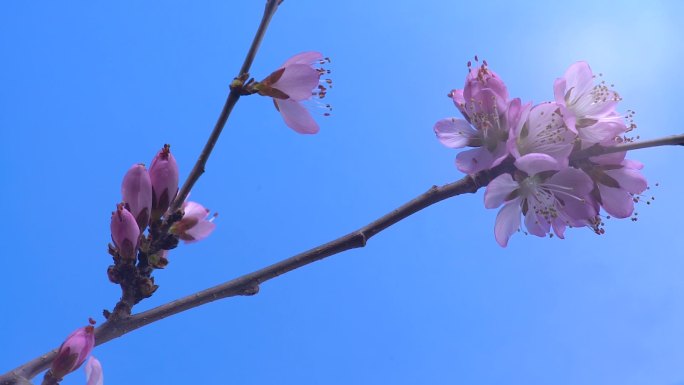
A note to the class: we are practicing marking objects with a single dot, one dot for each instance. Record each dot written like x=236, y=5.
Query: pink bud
x=164, y=177
x=125, y=232
x=73, y=351
x=194, y=226
x=136, y=191
x=93, y=371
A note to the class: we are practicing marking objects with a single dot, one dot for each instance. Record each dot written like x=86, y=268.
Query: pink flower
x=73, y=351
x=297, y=80
x=587, y=108
x=125, y=232
x=542, y=130
x=164, y=178
x=488, y=117
x=547, y=194
x=194, y=226
x=136, y=190
x=616, y=181
x=93, y=371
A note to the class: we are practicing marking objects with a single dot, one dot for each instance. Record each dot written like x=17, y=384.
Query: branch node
x=252, y=290
x=364, y=239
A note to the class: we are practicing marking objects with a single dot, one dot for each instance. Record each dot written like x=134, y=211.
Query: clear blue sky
x=89, y=88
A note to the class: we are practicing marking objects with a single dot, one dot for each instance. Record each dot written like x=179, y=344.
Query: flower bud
x=73, y=351
x=125, y=232
x=194, y=225
x=136, y=190
x=164, y=176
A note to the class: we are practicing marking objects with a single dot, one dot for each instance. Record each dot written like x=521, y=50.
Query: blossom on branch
x=297, y=81
x=616, y=181
x=488, y=117
x=587, y=108
x=549, y=195
x=541, y=130
x=545, y=178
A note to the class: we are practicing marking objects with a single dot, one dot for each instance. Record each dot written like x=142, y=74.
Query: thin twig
x=233, y=97
x=672, y=140
x=249, y=284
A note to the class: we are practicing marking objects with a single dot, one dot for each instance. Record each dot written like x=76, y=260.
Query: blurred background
x=89, y=88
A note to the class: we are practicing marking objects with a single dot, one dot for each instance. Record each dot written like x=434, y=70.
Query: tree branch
x=233, y=97
x=249, y=284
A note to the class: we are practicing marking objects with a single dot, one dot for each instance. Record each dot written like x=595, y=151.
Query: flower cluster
x=147, y=195
x=295, y=82
x=73, y=353
x=548, y=183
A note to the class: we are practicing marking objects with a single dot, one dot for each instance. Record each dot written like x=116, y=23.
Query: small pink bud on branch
x=136, y=191
x=125, y=232
x=164, y=177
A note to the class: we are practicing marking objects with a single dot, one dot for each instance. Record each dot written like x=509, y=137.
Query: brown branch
x=249, y=284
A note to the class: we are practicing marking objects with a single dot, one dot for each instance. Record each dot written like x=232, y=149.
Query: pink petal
x=200, y=231
x=599, y=109
x=573, y=186
x=507, y=222
x=603, y=131
x=298, y=81
x=459, y=102
x=629, y=179
x=296, y=116
x=536, y=224
x=499, y=154
x=194, y=210
x=535, y=163
x=577, y=182
x=498, y=189
x=633, y=164
x=559, y=87
x=93, y=371
x=612, y=158
x=475, y=160
x=616, y=201
x=454, y=133
x=579, y=79
x=559, y=227
x=477, y=81
x=307, y=58
x=546, y=133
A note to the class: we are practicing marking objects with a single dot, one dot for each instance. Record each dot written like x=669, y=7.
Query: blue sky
x=88, y=89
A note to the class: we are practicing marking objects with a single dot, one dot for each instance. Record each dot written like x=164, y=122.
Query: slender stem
x=233, y=97
x=249, y=284
x=598, y=150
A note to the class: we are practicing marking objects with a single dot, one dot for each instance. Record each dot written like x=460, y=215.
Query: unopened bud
x=164, y=176
x=125, y=232
x=73, y=351
x=136, y=191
